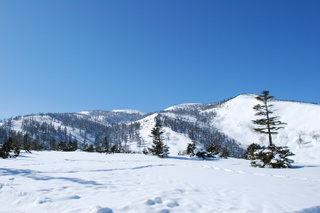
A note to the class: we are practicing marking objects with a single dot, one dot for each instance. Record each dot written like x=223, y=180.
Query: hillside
x=226, y=124
x=301, y=134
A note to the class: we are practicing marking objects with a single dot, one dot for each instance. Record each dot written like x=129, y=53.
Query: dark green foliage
x=158, y=148
x=105, y=145
x=90, y=148
x=9, y=149
x=114, y=149
x=190, y=149
x=145, y=151
x=36, y=145
x=62, y=146
x=272, y=157
x=224, y=153
x=250, y=150
x=204, y=154
x=67, y=147
x=213, y=149
x=26, y=143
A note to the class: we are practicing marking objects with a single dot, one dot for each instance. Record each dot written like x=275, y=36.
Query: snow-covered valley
x=80, y=182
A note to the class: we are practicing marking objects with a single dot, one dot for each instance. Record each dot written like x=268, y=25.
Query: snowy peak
x=129, y=111
x=182, y=106
x=111, y=117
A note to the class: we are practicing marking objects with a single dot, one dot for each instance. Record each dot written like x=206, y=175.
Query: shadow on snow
x=34, y=175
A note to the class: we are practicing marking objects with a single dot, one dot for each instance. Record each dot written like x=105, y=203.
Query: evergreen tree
x=213, y=149
x=8, y=147
x=190, y=149
x=26, y=143
x=251, y=150
x=268, y=124
x=271, y=156
x=224, y=153
x=158, y=148
x=105, y=144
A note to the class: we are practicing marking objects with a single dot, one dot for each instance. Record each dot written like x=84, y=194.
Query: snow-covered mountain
x=227, y=123
x=301, y=134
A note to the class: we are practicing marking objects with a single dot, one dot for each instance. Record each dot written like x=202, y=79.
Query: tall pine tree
x=271, y=156
x=158, y=148
x=267, y=124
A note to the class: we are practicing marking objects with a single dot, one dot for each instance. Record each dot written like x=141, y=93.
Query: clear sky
x=74, y=55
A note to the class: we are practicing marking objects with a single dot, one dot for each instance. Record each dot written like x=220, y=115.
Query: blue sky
x=74, y=55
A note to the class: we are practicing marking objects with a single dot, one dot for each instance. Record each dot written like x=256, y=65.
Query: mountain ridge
x=227, y=123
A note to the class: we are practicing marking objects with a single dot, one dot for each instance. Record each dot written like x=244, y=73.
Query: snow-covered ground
x=79, y=182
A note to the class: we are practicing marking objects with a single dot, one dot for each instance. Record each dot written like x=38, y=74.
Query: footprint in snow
x=105, y=210
x=43, y=201
x=98, y=209
x=157, y=200
x=164, y=211
x=172, y=203
x=150, y=202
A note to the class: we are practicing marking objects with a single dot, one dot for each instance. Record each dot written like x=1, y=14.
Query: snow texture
x=79, y=182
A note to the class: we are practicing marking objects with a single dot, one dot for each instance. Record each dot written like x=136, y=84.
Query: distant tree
x=224, y=153
x=9, y=147
x=73, y=145
x=213, y=149
x=105, y=144
x=53, y=144
x=158, y=148
x=114, y=148
x=26, y=143
x=90, y=148
x=85, y=145
x=204, y=154
x=62, y=146
x=191, y=149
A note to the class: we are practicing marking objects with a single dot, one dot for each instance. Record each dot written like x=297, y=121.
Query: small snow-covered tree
x=158, y=148
x=251, y=150
x=272, y=157
x=213, y=149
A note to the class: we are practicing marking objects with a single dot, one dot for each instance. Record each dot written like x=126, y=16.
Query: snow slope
x=79, y=182
x=176, y=142
x=301, y=134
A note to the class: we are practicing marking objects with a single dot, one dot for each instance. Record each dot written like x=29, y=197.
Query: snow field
x=74, y=182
